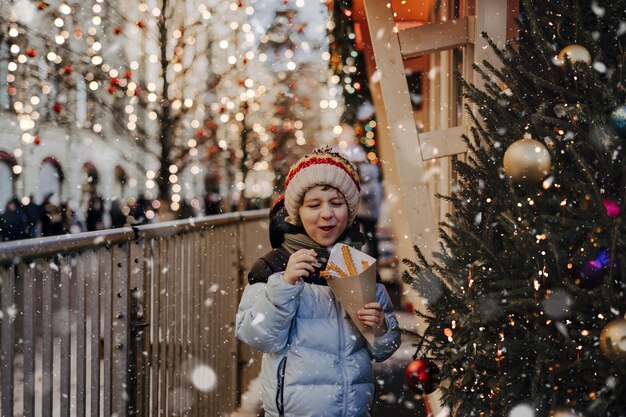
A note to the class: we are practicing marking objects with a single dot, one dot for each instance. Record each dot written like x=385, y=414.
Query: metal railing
x=132, y=321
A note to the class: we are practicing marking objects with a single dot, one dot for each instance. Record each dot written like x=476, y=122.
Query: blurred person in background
x=13, y=222
x=371, y=195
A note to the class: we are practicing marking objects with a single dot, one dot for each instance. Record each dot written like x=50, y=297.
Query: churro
x=333, y=267
x=347, y=258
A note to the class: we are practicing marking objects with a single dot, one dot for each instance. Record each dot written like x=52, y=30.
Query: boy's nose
x=327, y=212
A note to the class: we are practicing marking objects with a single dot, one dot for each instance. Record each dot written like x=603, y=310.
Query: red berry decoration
x=37, y=140
x=31, y=52
x=422, y=376
x=57, y=107
x=117, y=30
x=67, y=70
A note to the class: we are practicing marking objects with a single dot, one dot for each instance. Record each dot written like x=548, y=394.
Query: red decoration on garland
x=67, y=70
x=422, y=376
x=42, y=5
x=140, y=24
x=128, y=74
x=37, y=140
x=115, y=81
x=31, y=52
x=111, y=89
x=57, y=107
x=212, y=150
x=117, y=30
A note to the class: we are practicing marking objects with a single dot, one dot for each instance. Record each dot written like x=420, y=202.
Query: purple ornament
x=592, y=272
x=612, y=208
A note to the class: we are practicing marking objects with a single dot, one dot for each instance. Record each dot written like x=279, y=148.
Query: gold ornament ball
x=613, y=340
x=527, y=161
x=565, y=412
x=575, y=53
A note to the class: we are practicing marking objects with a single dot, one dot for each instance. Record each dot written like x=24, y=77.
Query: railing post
x=238, y=354
x=137, y=367
x=7, y=287
x=120, y=330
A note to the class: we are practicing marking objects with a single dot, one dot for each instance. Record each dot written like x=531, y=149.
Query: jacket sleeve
x=266, y=311
x=386, y=344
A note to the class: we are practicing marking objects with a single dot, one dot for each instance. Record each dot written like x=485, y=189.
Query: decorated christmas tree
x=526, y=297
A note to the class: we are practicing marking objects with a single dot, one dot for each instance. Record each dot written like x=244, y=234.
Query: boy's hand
x=300, y=264
x=372, y=315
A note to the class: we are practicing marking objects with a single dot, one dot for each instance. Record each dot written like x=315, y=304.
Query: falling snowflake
x=204, y=378
x=259, y=318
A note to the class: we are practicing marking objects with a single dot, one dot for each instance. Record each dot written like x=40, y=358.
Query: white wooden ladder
x=409, y=159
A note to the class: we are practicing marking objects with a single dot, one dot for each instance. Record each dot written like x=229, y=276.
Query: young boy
x=315, y=362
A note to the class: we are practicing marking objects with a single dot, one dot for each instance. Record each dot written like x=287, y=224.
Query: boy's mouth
x=327, y=228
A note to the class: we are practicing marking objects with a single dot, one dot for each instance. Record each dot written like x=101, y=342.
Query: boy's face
x=324, y=214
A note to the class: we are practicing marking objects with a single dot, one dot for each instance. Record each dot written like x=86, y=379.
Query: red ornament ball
x=57, y=107
x=37, y=140
x=422, y=376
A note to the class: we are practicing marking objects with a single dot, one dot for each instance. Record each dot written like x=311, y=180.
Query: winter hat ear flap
x=321, y=167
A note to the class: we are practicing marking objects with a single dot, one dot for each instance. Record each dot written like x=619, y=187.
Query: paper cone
x=353, y=292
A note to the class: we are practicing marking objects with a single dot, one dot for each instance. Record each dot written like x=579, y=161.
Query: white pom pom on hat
x=321, y=167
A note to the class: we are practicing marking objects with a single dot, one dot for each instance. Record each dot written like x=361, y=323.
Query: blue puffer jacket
x=315, y=362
